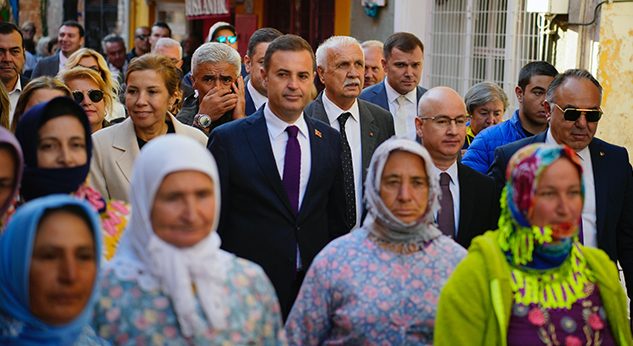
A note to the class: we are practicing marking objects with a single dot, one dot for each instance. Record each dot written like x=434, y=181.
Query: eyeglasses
x=142, y=37
x=445, y=121
x=572, y=114
x=94, y=95
x=223, y=39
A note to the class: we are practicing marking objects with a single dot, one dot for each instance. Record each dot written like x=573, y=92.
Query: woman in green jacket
x=532, y=282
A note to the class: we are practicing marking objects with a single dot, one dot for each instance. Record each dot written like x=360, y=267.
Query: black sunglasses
x=94, y=95
x=142, y=37
x=572, y=114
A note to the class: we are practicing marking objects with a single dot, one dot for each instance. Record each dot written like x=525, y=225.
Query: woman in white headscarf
x=169, y=282
x=380, y=283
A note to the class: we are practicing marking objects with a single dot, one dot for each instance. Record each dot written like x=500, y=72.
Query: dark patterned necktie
x=348, y=173
x=446, y=215
x=292, y=167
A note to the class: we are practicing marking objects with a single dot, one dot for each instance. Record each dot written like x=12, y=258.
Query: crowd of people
x=152, y=198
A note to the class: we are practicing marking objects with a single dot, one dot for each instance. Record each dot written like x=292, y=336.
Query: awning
x=196, y=8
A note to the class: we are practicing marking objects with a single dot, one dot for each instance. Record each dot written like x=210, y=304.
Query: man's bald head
x=436, y=99
x=441, y=124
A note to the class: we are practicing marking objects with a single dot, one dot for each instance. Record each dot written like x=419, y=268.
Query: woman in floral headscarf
x=531, y=282
x=380, y=283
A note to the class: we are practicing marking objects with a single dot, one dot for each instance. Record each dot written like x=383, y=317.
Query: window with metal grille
x=485, y=40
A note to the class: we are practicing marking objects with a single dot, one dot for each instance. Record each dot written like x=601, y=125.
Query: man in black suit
x=399, y=92
x=12, y=59
x=255, y=92
x=70, y=38
x=572, y=103
x=470, y=200
x=340, y=66
x=280, y=175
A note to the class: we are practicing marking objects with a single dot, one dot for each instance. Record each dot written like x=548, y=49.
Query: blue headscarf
x=19, y=326
x=38, y=182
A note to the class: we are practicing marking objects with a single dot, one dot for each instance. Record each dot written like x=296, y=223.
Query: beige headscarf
x=380, y=221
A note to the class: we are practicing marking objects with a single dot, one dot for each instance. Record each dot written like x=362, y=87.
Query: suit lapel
x=601, y=183
x=259, y=141
x=318, y=160
x=125, y=141
x=466, y=198
x=318, y=110
x=368, y=131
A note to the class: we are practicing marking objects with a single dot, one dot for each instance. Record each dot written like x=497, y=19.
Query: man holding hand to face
x=218, y=86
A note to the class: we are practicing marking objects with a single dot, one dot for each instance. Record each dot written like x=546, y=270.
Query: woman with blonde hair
x=91, y=92
x=152, y=83
x=38, y=90
x=90, y=58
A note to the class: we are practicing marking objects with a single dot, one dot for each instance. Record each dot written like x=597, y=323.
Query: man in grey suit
x=341, y=67
x=70, y=38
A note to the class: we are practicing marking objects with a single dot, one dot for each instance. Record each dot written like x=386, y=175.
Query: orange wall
x=342, y=17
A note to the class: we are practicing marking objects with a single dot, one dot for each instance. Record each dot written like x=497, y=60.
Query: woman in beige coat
x=153, y=84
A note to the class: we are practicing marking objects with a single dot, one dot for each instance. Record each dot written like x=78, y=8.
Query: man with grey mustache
x=362, y=125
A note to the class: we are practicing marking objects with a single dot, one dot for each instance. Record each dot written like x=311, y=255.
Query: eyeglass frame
x=580, y=112
x=450, y=120
x=83, y=95
x=142, y=37
x=226, y=39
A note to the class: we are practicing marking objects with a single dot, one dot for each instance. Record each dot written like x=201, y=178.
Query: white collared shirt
x=352, y=131
x=258, y=99
x=411, y=107
x=278, y=140
x=62, y=61
x=14, y=95
x=589, y=228
x=454, y=187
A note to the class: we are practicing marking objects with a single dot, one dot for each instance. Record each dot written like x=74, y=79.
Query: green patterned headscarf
x=518, y=236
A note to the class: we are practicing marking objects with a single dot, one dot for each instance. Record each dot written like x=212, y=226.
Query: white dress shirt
x=258, y=99
x=279, y=139
x=589, y=230
x=14, y=95
x=62, y=61
x=352, y=131
x=411, y=109
x=454, y=187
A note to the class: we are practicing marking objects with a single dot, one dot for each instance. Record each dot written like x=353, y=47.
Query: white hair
x=167, y=42
x=333, y=42
x=373, y=43
x=214, y=52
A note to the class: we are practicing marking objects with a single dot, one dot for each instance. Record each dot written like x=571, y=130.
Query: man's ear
x=418, y=126
x=519, y=93
x=320, y=71
x=247, y=63
x=548, y=109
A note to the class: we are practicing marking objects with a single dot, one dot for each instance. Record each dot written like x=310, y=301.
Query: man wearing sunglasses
x=573, y=107
x=141, y=43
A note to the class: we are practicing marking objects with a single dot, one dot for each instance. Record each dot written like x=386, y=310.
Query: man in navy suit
x=470, y=200
x=399, y=93
x=280, y=175
x=70, y=38
x=340, y=67
x=572, y=103
x=255, y=92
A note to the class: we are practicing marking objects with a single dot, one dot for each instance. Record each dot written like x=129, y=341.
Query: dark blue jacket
x=481, y=152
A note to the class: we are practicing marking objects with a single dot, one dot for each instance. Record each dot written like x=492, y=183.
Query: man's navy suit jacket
x=257, y=222
x=377, y=94
x=613, y=180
